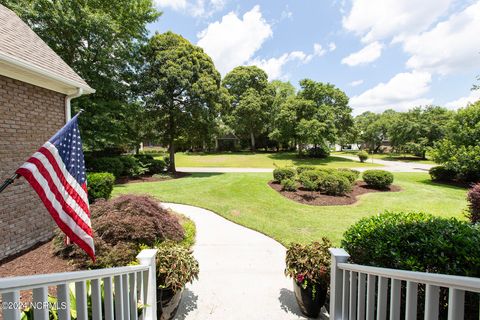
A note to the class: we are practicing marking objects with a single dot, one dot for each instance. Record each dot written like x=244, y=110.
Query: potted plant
x=309, y=267
x=176, y=266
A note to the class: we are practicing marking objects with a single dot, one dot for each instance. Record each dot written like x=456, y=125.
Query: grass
x=405, y=157
x=259, y=160
x=245, y=198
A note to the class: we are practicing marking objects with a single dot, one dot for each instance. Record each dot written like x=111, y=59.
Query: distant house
x=36, y=87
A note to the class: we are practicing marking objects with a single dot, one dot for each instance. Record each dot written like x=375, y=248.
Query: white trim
x=44, y=73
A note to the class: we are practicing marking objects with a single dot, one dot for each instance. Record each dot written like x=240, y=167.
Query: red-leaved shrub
x=473, y=197
x=120, y=226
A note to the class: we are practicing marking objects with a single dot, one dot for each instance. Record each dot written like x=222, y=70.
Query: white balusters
x=395, y=293
x=456, y=304
x=432, y=294
x=96, y=298
x=125, y=297
x=10, y=300
x=40, y=303
x=108, y=298
x=382, y=298
x=133, y=296
x=411, y=303
x=118, y=298
x=81, y=300
x=148, y=258
x=346, y=292
x=370, y=296
x=353, y=296
x=361, y=296
x=63, y=296
x=336, y=282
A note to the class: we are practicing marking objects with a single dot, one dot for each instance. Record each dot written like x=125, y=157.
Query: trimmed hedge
x=440, y=173
x=310, y=179
x=289, y=185
x=319, y=152
x=362, y=155
x=99, y=185
x=378, y=179
x=334, y=184
x=280, y=174
x=415, y=241
x=350, y=174
x=301, y=169
x=106, y=164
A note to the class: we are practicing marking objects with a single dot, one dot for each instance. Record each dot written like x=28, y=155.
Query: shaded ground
x=317, y=198
x=153, y=178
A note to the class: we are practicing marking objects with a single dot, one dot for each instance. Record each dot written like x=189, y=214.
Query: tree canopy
x=181, y=89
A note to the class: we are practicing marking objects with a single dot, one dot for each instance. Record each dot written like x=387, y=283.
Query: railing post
x=147, y=257
x=338, y=255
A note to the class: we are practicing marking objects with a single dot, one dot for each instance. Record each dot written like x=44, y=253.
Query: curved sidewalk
x=241, y=273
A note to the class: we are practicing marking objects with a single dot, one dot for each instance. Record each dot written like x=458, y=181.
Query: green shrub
x=319, y=152
x=106, y=164
x=415, y=241
x=309, y=179
x=132, y=167
x=350, y=174
x=334, y=184
x=473, y=197
x=378, y=179
x=99, y=185
x=176, y=266
x=153, y=166
x=440, y=173
x=362, y=155
x=301, y=169
x=289, y=185
x=280, y=174
x=309, y=264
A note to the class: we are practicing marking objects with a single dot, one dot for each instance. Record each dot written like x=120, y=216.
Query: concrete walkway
x=241, y=273
x=392, y=166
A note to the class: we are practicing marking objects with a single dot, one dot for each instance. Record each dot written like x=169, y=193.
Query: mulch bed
x=125, y=180
x=319, y=199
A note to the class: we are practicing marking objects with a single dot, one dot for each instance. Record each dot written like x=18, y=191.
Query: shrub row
x=125, y=166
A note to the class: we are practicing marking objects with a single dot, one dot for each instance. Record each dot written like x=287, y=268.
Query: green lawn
x=245, y=198
x=406, y=157
x=259, y=160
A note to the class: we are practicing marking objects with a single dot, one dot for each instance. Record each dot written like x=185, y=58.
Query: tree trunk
x=252, y=141
x=424, y=154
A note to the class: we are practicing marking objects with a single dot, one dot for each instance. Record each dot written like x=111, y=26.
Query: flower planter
x=309, y=300
x=167, y=303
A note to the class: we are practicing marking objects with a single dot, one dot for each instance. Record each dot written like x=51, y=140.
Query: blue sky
x=382, y=53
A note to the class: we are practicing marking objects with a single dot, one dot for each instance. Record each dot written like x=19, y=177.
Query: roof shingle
x=19, y=41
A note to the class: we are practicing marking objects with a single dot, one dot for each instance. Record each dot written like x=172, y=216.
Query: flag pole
x=10, y=180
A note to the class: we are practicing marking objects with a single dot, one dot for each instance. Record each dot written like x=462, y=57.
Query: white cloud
x=462, y=102
x=403, y=91
x=274, y=66
x=233, y=41
x=173, y=4
x=318, y=50
x=367, y=54
x=356, y=83
x=195, y=8
x=332, y=46
x=452, y=45
x=381, y=19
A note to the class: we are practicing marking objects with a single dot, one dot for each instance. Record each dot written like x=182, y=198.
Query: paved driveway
x=241, y=273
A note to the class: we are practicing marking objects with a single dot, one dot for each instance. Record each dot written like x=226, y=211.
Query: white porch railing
x=123, y=288
x=361, y=292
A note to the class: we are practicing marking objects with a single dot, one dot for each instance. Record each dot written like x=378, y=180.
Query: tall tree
x=373, y=128
x=99, y=39
x=251, y=101
x=181, y=88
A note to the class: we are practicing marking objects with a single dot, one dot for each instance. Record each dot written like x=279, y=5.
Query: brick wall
x=29, y=116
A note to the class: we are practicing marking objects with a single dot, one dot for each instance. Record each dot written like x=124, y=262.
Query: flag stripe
x=62, y=219
x=63, y=170
x=72, y=198
x=34, y=165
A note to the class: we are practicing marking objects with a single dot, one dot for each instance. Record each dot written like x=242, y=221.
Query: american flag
x=57, y=173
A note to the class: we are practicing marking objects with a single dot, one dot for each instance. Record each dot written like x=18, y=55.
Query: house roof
x=25, y=56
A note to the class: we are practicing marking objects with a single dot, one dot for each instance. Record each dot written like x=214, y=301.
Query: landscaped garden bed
x=152, y=178
x=318, y=198
x=326, y=186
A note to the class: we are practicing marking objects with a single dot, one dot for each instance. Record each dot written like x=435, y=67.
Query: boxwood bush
x=106, y=164
x=99, y=185
x=334, y=184
x=301, y=169
x=309, y=179
x=289, y=185
x=440, y=173
x=378, y=179
x=280, y=174
x=350, y=174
